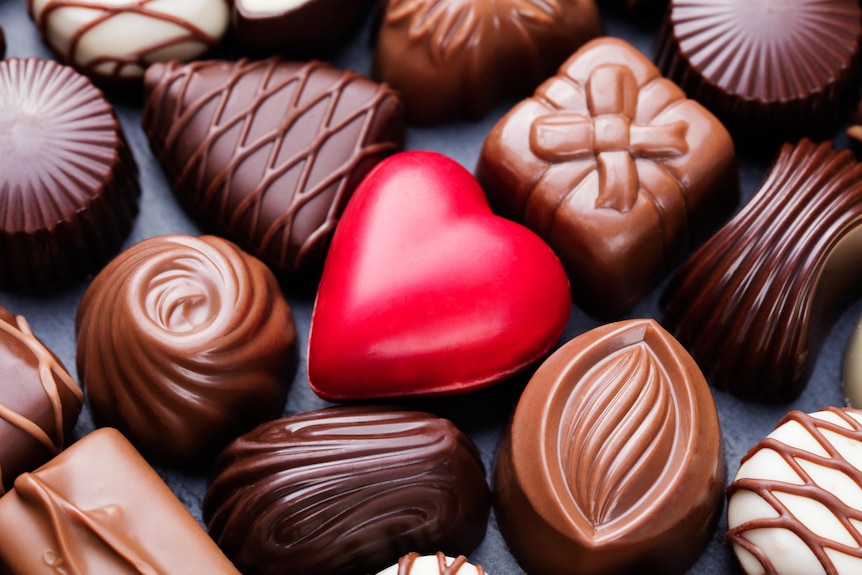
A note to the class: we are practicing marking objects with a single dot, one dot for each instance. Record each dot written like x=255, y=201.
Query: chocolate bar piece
x=98, y=507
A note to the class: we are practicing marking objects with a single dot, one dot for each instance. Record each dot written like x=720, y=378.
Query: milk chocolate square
x=98, y=507
x=611, y=165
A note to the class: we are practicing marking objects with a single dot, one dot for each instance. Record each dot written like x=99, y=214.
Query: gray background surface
x=483, y=414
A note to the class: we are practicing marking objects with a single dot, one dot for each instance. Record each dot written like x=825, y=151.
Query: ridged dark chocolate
x=753, y=305
x=68, y=181
x=269, y=152
x=39, y=400
x=346, y=490
x=185, y=343
x=771, y=71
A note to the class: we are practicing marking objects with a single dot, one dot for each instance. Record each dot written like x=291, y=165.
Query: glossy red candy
x=426, y=292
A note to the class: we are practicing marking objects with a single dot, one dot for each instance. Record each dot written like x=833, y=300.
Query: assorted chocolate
x=754, y=304
x=453, y=59
x=612, y=166
x=185, y=343
x=346, y=490
x=98, y=507
x=852, y=369
x=69, y=189
x=795, y=505
x=613, y=461
x=115, y=41
x=39, y=400
x=268, y=152
x=295, y=26
x=437, y=564
x=426, y=292
x=771, y=73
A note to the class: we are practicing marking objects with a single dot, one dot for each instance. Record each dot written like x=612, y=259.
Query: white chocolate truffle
x=795, y=505
x=852, y=372
x=439, y=564
x=117, y=39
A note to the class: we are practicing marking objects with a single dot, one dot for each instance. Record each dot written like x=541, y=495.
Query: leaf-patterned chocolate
x=458, y=58
x=613, y=461
x=276, y=188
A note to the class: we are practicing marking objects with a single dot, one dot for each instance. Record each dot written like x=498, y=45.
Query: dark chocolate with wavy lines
x=267, y=153
x=613, y=461
x=771, y=70
x=185, y=343
x=69, y=189
x=754, y=304
x=346, y=490
x=98, y=507
x=39, y=400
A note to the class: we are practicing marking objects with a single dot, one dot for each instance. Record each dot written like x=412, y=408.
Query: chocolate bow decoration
x=610, y=135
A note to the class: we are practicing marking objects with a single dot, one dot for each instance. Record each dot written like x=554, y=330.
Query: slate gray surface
x=482, y=415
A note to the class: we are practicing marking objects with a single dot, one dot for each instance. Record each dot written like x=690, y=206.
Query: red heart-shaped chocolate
x=426, y=292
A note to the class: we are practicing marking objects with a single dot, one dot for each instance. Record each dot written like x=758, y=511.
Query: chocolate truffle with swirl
x=185, y=343
x=39, y=400
x=346, y=490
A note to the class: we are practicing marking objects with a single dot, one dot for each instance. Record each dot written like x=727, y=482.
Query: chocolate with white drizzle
x=116, y=41
x=795, y=505
x=39, y=400
x=437, y=564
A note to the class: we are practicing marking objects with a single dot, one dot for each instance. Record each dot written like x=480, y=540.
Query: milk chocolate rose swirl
x=183, y=344
x=754, y=303
x=268, y=152
x=346, y=490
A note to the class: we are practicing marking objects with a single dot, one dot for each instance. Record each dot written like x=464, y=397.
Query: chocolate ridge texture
x=346, y=490
x=185, y=343
x=754, y=304
x=613, y=462
x=69, y=191
x=116, y=41
x=98, y=507
x=39, y=400
x=772, y=72
x=794, y=506
x=275, y=188
x=453, y=59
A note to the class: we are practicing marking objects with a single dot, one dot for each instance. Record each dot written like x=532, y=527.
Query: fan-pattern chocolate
x=754, y=304
x=277, y=188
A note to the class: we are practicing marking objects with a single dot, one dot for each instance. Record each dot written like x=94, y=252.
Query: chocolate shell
x=277, y=188
x=39, y=400
x=754, y=304
x=852, y=368
x=68, y=181
x=615, y=169
x=346, y=490
x=454, y=59
x=795, y=505
x=184, y=344
x=99, y=508
x=771, y=73
x=116, y=41
x=613, y=461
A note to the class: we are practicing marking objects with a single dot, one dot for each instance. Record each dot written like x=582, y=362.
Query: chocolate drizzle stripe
x=767, y=490
x=48, y=368
x=105, y=523
x=406, y=562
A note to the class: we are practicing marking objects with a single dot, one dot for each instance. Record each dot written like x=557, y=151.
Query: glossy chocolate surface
x=116, y=41
x=100, y=508
x=185, y=343
x=611, y=165
x=438, y=564
x=69, y=189
x=795, y=504
x=39, y=400
x=613, y=462
x=851, y=373
x=454, y=59
x=346, y=490
x=302, y=27
x=772, y=71
x=754, y=304
x=275, y=188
